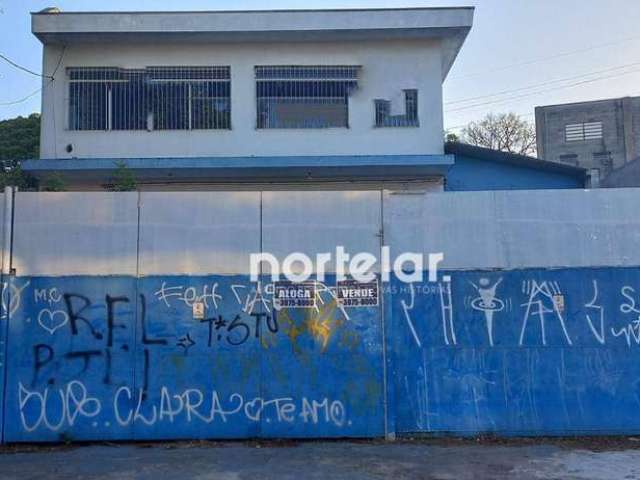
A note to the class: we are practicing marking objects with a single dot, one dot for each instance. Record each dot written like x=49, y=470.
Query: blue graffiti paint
x=124, y=358
x=521, y=352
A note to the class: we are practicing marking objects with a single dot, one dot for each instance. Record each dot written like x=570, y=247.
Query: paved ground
x=455, y=460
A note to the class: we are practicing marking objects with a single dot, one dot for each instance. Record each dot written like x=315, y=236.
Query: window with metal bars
x=304, y=96
x=580, y=132
x=384, y=118
x=154, y=98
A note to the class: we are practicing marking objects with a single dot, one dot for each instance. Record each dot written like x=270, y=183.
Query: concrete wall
x=472, y=174
x=113, y=351
x=388, y=67
x=533, y=332
x=621, y=124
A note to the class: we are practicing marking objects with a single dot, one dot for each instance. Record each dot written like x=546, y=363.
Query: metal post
x=8, y=231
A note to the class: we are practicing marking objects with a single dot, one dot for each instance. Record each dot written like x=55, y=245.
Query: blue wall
x=494, y=352
x=472, y=174
x=95, y=358
x=536, y=352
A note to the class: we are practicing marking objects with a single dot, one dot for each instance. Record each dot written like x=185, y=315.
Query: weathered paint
x=550, y=352
x=136, y=364
x=96, y=358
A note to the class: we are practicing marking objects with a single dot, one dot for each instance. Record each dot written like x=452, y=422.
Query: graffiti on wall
x=537, y=306
x=520, y=351
x=121, y=356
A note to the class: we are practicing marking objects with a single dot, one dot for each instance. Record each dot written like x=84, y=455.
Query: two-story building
x=211, y=99
x=601, y=136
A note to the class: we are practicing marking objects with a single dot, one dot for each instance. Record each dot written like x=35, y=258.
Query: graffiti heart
x=52, y=320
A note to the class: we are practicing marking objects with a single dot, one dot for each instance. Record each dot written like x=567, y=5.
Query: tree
x=506, y=132
x=123, y=180
x=451, y=137
x=19, y=140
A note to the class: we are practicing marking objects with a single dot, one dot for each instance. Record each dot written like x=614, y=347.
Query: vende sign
x=351, y=293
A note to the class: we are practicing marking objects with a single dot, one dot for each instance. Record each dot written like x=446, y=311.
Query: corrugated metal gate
x=107, y=347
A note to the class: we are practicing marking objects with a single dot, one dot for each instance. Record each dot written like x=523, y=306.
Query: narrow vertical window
x=384, y=118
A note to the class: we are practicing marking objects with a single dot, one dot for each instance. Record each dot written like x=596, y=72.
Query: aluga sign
x=298, y=267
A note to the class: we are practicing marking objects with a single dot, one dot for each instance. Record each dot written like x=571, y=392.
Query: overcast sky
x=529, y=52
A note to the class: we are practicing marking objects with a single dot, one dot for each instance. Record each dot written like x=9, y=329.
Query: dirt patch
x=595, y=444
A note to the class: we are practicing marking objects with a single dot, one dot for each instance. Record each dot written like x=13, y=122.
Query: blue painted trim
x=220, y=163
x=253, y=168
x=242, y=162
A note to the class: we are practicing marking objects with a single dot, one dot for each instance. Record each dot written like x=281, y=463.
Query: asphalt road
x=441, y=460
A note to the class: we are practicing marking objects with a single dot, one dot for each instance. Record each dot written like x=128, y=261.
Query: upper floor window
x=154, y=98
x=304, y=96
x=384, y=117
x=580, y=132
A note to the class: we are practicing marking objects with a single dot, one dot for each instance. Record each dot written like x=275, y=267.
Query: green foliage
x=13, y=176
x=19, y=140
x=54, y=183
x=451, y=137
x=123, y=180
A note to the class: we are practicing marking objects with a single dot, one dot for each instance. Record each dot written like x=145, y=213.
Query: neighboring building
x=626, y=176
x=209, y=99
x=478, y=168
x=602, y=135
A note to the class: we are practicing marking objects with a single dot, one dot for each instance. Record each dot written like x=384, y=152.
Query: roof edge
x=284, y=10
x=488, y=154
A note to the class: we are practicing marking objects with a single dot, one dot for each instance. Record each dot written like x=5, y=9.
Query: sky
x=519, y=54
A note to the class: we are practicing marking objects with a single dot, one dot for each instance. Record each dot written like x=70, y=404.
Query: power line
x=24, y=99
x=55, y=70
x=24, y=69
x=460, y=127
x=536, y=85
x=504, y=100
x=50, y=77
x=545, y=59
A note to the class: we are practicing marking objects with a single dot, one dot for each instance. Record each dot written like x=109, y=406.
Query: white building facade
x=159, y=90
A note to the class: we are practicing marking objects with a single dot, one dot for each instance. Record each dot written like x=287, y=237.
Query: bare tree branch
x=506, y=132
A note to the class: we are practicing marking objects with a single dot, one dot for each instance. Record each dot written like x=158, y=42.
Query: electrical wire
x=516, y=97
x=24, y=69
x=50, y=77
x=24, y=99
x=536, y=85
x=545, y=59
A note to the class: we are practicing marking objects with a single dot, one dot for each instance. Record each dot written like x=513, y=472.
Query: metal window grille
x=580, y=132
x=154, y=98
x=304, y=96
x=410, y=117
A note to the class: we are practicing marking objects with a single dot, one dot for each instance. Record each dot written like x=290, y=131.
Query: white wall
x=518, y=229
x=388, y=68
